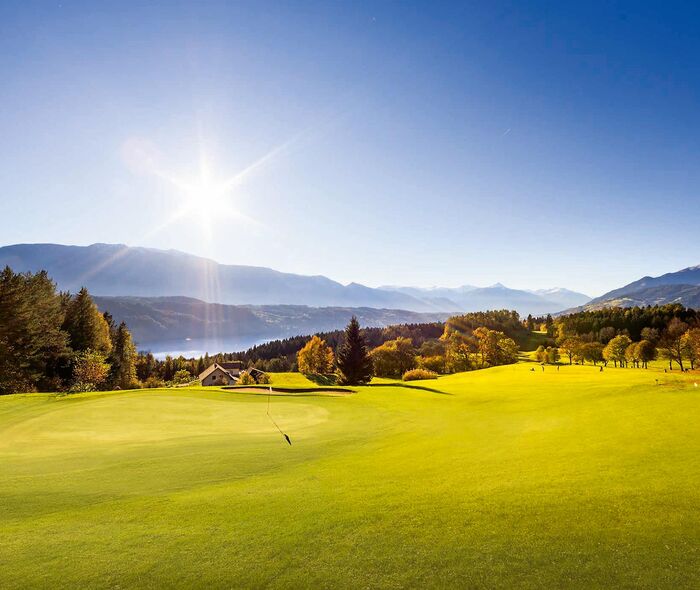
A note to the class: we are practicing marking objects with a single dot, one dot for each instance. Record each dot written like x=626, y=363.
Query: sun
x=201, y=197
x=205, y=193
x=204, y=199
x=207, y=196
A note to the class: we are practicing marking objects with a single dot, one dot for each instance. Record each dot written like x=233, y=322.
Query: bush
x=435, y=364
x=278, y=365
x=89, y=371
x=418, y=374
x=153, y=382
x=182, y=377
x=245, y=378
x=81, y=387
x=394, y=357
x=264, y=379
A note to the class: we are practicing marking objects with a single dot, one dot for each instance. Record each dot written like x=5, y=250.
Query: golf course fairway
x=500, y=478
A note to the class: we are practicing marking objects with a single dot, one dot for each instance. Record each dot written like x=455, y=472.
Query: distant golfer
x=601, y=368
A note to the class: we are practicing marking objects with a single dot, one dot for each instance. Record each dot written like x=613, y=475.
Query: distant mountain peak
x=121, y=270
x=682, y=286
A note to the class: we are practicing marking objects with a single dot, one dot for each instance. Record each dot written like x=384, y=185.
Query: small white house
x=221, y=373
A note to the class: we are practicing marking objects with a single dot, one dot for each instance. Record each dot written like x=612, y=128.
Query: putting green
x=143, y=418
x=498, y=478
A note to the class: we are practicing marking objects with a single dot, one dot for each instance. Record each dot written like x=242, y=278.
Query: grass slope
x=496, y=478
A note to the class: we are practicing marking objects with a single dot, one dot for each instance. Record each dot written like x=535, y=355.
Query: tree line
x=464, y=344
x=55, y=341
x=276, y=356
x=626, y=337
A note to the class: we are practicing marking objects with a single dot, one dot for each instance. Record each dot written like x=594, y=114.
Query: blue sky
x=537, y=144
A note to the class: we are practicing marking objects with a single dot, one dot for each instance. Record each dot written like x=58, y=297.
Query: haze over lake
x=196, y=347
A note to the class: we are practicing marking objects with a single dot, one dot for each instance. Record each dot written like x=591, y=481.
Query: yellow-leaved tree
x=316, y=358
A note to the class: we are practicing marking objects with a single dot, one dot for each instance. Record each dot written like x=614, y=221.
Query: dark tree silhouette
x=354, y=363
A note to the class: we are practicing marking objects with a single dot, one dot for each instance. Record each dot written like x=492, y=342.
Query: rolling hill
x=500, y=478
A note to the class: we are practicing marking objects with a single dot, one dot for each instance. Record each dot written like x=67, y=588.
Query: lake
x=196, y=347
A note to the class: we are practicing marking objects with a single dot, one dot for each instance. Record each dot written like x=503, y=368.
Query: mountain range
x=681, y=287
x=165, y=323
x=119, y=270
x=178, y=302
x=498, y=296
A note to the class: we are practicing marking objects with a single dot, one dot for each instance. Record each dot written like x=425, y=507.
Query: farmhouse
x=226, y=373
x=221, y=373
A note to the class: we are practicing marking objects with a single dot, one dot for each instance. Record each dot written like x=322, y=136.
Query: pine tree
x=549, y=324
x=85, y=325
x=168, y=368
x=122, y=359
x=32, y=344
x=146, y=366
x=110, y=325
x=530, y=323
x=353, y=360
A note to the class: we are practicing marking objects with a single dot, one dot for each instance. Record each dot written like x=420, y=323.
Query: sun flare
x=204, y=198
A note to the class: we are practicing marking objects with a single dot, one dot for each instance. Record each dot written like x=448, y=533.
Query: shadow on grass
x=289, y=391
x=320, y=393
x=323, y=379
x=407, y=386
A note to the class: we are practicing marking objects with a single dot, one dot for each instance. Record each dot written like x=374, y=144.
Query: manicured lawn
x=499, y=478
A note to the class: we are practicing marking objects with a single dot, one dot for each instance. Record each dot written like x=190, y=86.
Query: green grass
x=499, y=478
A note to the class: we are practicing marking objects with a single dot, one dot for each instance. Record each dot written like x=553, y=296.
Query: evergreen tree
x=110, y=325
x=87, y=328
x=168, y=369
x=354, y=363
x=32, y=345
x=122, y=359
x=549, y=325
x=530, y=323
x=146, y=366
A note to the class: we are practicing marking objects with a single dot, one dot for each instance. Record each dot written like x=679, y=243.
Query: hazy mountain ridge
x=681, y=287
x=119, y=270
x=157, y=319
x=563, y=297
x=498, y=296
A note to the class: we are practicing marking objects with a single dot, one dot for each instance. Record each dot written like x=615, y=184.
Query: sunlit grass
x=498, y=478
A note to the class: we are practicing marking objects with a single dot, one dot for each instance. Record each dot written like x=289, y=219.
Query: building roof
x=208, y=371
x=227, y=368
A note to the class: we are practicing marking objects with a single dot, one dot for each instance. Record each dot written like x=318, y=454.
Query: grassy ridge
x=496, y=478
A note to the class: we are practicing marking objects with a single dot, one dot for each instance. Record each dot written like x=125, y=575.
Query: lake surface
x=196, y=347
